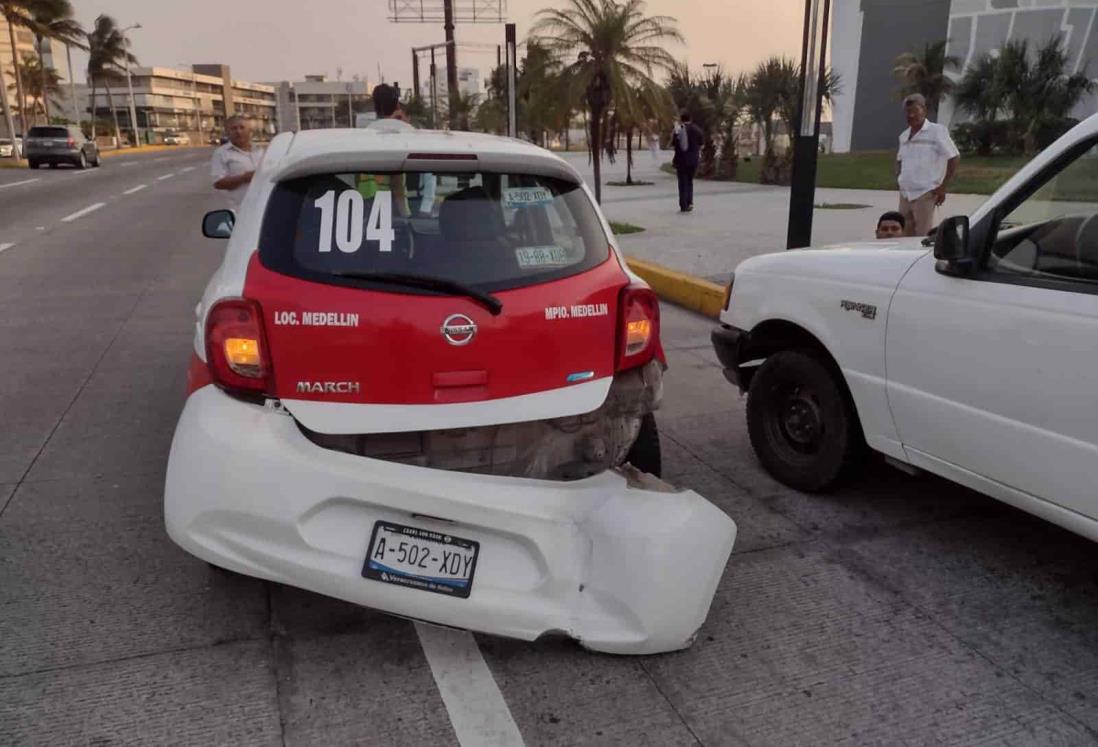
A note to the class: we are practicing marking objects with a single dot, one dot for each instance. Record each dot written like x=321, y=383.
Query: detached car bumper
x=621, y=562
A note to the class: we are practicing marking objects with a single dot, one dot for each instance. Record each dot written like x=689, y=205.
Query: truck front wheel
x=802, y=422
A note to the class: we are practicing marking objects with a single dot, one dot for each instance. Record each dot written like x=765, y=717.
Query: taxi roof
x=336, y=150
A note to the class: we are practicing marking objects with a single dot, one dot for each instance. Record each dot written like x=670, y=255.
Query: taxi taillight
x=236, y=347
x=638, y=327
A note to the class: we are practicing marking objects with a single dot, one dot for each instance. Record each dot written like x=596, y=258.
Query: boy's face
x=889, y=229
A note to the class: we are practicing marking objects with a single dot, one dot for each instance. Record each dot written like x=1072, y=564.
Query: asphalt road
x=898, y=610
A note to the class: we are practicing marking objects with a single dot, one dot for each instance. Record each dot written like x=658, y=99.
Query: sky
x=272, y=40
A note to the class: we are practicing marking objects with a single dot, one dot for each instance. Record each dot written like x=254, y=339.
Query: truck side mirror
x=218, y=224
x=951, y=247
x=951, y=239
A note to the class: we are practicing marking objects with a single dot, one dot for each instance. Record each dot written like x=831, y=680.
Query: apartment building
x=195, y=101
x=318, y=103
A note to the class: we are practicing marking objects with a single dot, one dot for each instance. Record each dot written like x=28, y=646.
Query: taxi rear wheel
x=645, y=454
x=802, y=422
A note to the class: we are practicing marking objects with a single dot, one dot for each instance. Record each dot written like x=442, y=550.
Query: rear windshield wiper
x=488, y=301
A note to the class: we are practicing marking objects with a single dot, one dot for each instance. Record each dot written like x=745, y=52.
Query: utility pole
x=129, y=85
x=451, y=62
x=415, y=73
x=512, y=63
x=434, y=91
x=806, y=146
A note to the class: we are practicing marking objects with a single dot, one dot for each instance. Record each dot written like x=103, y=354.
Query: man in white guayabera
x=235, y=162
x=926, y=163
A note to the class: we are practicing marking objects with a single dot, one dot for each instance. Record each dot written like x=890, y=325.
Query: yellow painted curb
x=684, y=290
x=145, y=149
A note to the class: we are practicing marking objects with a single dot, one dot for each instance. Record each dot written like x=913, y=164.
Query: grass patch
x=621, y=229
x=635, y=183
x=841, y=206
x=877, y=170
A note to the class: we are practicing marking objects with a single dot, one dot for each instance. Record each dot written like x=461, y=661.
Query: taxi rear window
x=486, y=230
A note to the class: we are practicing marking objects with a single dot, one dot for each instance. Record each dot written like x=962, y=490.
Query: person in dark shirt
x=687, y=140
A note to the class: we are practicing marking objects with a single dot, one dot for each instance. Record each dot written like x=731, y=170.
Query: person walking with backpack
x=687, y=139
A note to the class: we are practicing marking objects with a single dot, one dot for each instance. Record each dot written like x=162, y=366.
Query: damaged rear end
x=435, y=396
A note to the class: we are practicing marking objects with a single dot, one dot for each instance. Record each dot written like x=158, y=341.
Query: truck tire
x=802, y=422
x=645, y=454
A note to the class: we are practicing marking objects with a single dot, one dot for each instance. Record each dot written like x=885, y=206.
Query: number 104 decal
x=343, y=218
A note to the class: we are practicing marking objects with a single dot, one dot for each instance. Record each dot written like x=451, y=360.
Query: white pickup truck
x=976, y=361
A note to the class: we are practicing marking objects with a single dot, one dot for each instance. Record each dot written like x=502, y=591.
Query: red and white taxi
x=420, y=376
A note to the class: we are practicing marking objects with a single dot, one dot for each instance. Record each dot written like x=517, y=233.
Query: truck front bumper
x=728, y=342
x=621, y=562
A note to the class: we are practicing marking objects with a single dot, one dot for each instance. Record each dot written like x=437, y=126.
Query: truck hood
x=874, y=263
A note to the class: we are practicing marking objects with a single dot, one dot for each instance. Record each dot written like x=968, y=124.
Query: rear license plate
x=421, y=559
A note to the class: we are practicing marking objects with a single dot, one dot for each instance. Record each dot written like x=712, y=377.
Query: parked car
x=56, y=144
x=6, y=148
x=974, y=361
x=445, y=414
x=176, y=138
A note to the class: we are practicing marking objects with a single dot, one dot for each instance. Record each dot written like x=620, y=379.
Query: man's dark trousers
x=686, y=185
x=686, y=162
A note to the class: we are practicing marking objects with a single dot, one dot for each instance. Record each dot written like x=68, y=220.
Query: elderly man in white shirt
x=235, y=162
x=925, y=165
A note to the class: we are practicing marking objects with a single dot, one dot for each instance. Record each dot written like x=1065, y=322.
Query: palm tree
x=771, y=95
x=1037, y=89
x=53, y=19
x=42, y=83
x=106, y=55
x=615, y=48
x=17, y=14
x=461, y=108
x=926, y=73
x=650, y=102
x=979, y=95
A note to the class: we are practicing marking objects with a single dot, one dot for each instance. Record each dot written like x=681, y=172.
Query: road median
x=146, y=149
x=693, y=293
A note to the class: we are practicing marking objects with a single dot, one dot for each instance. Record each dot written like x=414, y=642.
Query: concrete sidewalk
x=732, y=221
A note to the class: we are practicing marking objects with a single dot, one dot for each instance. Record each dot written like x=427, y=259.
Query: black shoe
x=689, y=209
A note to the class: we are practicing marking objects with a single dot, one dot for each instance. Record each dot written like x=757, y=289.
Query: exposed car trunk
x=570, y=448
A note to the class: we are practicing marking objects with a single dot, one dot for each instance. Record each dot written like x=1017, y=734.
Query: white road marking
x=16, y=184
x=138, y=188
x=5, y=247
x=185, y=169
x=130, y=163
x=166, y=176
x=82, y=213
x=157, y=160
x=473, y=701
x=83, y=172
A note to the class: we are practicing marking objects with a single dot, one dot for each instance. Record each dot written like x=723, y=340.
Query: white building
x=868, y=36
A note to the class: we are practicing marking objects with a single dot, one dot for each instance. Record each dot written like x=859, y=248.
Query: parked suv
x=430, y=390
x=54, y=144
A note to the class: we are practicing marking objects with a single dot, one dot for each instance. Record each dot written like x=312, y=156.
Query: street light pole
x=806, y=146
x=512, y=63
x=129, y=85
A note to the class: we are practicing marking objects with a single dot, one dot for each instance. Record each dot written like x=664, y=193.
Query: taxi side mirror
x=218, y=224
